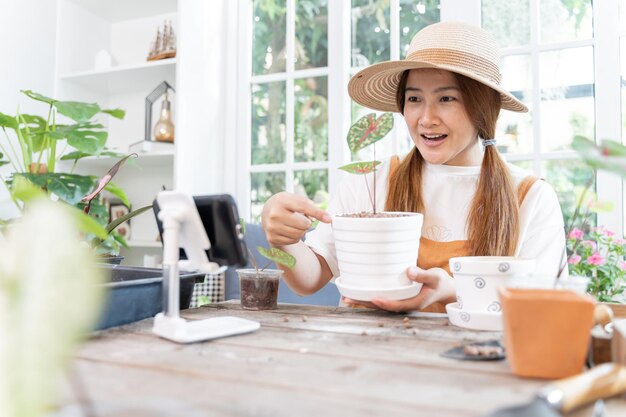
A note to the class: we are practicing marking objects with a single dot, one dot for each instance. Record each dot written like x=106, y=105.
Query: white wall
x=28, y=33
x=207, y=89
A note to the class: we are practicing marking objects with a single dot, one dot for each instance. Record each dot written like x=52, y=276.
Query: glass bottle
x=164, y=128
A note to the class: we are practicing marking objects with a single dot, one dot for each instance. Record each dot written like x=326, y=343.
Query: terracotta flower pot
x=546, y=331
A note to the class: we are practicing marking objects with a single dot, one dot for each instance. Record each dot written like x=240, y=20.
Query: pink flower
x=590, y=243
x=619, y=241
x=574, y=259
x=596, y=259
x=622, y=265
x=608, y=233
x=576, y=234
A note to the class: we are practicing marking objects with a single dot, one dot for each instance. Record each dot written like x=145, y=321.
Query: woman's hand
x=437, y=286
x=287, y=217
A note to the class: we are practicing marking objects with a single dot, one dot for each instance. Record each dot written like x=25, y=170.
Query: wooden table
x=304, y=361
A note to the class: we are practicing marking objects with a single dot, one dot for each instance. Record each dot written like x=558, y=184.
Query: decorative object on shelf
x=117, y=209
x=164, y=45
x=164, y=128
x=103, y=60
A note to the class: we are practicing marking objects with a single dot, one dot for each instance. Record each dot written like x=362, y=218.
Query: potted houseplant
x=374, y=248
x=259, y=285
x=44, y=141
x=596, y=252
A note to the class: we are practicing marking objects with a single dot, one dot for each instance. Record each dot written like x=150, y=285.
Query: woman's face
x=437, y=120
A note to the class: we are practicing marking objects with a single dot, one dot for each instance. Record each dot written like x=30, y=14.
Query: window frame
x=607, y=84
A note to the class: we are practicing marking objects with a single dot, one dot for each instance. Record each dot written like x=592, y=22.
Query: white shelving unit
x=124, y=30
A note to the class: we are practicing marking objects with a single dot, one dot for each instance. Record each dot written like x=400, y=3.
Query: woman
x=448, y=90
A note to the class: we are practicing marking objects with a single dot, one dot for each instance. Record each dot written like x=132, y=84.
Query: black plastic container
x=135, y=293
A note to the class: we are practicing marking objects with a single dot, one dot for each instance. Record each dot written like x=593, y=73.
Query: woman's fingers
x=287, y=217
x=358, y=303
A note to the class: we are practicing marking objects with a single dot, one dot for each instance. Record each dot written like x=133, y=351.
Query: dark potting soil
x=259, y=293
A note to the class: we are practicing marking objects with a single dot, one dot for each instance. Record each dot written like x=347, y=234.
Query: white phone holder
x=182, y=227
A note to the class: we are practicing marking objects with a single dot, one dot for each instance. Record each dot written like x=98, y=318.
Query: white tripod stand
x=182, y=227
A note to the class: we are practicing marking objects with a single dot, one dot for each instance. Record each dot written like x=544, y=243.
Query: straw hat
x=452, y=46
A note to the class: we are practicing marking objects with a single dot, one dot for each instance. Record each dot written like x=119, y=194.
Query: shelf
x=120, y=10
x=124, y=79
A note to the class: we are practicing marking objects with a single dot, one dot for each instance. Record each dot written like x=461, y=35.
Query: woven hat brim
x=375, y=86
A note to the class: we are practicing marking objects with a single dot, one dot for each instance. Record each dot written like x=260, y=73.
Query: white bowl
x=474, y=320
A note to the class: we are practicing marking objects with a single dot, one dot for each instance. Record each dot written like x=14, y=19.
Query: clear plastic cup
x=259, y=289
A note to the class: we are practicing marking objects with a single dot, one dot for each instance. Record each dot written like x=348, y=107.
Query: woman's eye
x=412, y=99
x=447, y=99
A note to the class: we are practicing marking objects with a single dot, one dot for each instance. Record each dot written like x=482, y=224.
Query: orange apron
x=433, y=254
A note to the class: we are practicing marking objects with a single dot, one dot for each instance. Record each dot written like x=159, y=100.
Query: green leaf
x=278, y=256
x=610, y=156
x=77, y=111
x=38, y=97
x=76, y=155
x=117, y=113
x=68, y=187
x=8, y=121
x=111, y=226
x=24, y=190
x=117, y=191
x=368, y=130
x=361, y=167
x=90, y=225
x=84, y=139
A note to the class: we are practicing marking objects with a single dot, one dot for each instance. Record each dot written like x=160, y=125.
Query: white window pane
x=312, y=184
x=567, y=101
x=514, y=130
x=414, y=16
x=569, y=177
x=370, y=32
x=268, y=123
x=508, y=21
x=263, y=185
x=268, y=36
x=563, y=21
x=311, y=119
x=311, y=34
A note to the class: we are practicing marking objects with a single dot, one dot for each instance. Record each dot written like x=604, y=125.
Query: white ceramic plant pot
x=478, y=277
x=374, y=253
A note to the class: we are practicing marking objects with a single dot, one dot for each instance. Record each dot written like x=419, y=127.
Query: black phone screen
x=221, y=222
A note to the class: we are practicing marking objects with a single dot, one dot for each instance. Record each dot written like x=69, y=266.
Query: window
x=560, y=57
x=547, y=62
x=290, y=98
x=289, y=106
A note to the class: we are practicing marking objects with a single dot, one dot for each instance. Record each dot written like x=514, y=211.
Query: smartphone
x=220, y=219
